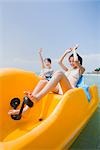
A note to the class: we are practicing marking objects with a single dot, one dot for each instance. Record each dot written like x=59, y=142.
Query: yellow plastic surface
x=63, y=116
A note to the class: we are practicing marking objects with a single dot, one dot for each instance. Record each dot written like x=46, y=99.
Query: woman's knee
x=58, y=73
x=43, y=81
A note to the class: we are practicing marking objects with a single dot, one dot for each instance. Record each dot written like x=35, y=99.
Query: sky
x=54, y=25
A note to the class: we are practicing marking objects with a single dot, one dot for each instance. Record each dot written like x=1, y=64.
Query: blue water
x=92, y=79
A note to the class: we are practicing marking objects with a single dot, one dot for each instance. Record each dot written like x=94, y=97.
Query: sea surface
x=92, y=79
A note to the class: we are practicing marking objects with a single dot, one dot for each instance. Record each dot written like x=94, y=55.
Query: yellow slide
x=52, y=123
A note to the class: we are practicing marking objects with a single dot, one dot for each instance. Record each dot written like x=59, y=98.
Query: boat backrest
x=85, y=87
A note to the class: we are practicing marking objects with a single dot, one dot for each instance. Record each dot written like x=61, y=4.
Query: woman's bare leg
x=57, y=77
x=37, y=89
x=39, y=86
x=55, y=89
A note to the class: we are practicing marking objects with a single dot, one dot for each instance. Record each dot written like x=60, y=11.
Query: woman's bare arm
x=60, y=61
x=41, y=58
x=81, y=68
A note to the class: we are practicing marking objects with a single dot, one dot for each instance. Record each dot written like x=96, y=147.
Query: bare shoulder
x=81, y=69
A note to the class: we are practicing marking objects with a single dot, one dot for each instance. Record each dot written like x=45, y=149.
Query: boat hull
x=63, y=116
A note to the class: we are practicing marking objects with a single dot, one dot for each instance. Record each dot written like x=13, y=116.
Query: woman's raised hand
x=75, y=47
x=40, y=50
x=68, y=50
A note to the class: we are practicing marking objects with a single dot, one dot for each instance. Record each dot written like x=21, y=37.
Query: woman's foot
x=30, y=96
x=13, y=112
x=27, y=92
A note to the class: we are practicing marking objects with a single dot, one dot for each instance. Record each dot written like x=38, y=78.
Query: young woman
x=46, y=67
x=67, y=80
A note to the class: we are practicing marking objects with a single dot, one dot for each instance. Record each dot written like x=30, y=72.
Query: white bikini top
x=73, y=76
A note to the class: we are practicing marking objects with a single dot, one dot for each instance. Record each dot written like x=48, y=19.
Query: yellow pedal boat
x=63, y=116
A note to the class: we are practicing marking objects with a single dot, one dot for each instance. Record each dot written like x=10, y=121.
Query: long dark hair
x=79, y=58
